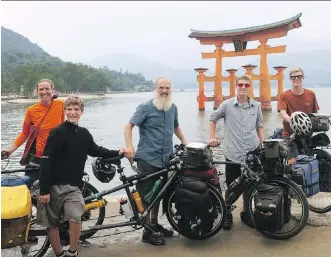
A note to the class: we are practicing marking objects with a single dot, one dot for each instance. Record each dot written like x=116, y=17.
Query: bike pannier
x=269, y=208
x=194, y=206
x=15, y=212
x=306, y=174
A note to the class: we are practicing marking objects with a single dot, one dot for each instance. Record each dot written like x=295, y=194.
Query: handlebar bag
x=16, y=209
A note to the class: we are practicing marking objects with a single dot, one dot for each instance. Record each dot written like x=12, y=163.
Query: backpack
x=306, y=174
x=195, y=211
x=269, y=208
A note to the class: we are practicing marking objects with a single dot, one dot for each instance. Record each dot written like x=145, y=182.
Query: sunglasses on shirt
x=246, y=85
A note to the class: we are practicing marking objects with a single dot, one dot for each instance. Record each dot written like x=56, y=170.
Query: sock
x=153, y=222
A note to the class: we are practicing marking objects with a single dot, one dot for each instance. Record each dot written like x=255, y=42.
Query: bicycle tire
x=101, y=217
x=219, y=196
x=305, y=212
x=323, y=154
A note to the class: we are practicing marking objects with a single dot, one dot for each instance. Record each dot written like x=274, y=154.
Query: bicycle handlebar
x=119, y=157
x=9, y=171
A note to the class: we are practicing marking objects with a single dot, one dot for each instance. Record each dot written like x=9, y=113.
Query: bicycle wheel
x=218, y=202
x=324, y=196
x=88, y=216
x=295, y=191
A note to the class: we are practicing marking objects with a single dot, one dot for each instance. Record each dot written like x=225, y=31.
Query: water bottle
x=126, y=207
x=150, y=196
x=137, y=199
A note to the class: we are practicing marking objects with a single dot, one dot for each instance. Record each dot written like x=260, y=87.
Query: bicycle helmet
x=300, y=123
x=103, y=171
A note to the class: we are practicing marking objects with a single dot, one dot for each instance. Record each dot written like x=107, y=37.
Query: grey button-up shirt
x=156, y=129
x=240, y=127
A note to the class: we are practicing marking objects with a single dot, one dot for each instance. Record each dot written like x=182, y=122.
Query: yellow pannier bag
x=16, y=210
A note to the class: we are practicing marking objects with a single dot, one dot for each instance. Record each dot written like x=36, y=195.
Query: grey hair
x=161, y=78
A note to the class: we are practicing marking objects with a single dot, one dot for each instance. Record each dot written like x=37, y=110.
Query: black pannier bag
x=269, y=208
x=195, y=211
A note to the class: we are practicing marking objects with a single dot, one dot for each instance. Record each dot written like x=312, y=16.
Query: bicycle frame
x=128, y=182
x=234, y=195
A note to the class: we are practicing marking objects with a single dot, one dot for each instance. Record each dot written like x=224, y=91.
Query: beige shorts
x=66, y=204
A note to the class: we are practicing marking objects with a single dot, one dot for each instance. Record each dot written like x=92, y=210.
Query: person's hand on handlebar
x=213, y=142
x=5, y=154
x=129, y=154
x=122, y=151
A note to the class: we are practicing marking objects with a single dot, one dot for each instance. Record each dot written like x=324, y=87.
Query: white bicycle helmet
x=300, y=123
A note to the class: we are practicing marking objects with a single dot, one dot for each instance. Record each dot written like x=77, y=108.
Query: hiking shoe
x=165, y=232
x=228, y=221
x=151, y=238
x=68, y=253
x=246, y=218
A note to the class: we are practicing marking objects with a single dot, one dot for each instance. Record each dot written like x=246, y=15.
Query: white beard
x=162, y=104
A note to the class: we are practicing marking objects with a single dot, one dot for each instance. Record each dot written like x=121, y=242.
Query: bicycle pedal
x=233, y=207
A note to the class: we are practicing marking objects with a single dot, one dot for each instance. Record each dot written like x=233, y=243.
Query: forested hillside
x=23, y=63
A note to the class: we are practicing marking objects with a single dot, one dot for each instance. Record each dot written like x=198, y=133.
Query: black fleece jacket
x=65, y=155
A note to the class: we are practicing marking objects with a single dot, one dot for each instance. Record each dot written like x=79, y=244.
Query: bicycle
x=138, y=220
x=316, y=146
x=254, y=174
x=31, y=247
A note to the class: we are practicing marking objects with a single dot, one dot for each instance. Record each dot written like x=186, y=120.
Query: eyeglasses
x=246, y=85
x=299, y=77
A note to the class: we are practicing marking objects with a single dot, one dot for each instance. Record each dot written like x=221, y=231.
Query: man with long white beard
x=157, y=120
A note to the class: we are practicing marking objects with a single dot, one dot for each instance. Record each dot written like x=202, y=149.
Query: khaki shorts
x=66, y=204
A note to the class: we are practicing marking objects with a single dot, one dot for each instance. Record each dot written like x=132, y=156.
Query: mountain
x=314, y=63
x=23, y=63
x=17, y=50
x=150, y=70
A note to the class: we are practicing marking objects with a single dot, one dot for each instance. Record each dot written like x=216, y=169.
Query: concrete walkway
x=240, y=241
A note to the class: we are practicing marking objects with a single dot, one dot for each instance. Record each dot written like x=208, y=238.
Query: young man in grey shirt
x=243, y=132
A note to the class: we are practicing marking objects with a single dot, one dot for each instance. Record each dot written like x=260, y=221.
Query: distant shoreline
x=25, y=100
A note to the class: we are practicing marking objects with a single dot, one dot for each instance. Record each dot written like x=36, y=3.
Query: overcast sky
x=158, y=31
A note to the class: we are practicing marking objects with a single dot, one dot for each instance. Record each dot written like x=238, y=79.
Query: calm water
x=106, y=118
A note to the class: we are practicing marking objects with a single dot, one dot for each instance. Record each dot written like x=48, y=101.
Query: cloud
x=80, y=31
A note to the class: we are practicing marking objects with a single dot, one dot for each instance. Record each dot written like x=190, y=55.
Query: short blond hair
x=295, y=70
x=244, y=77
x=45, y=80
x=74, y=101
